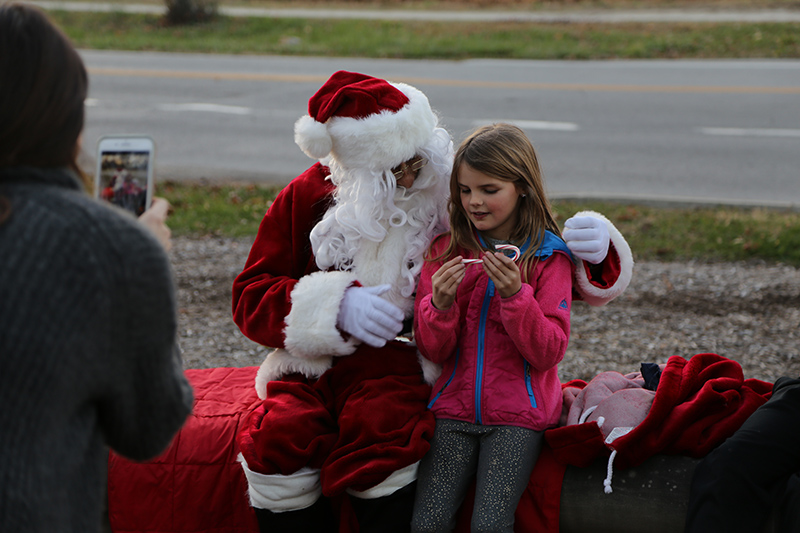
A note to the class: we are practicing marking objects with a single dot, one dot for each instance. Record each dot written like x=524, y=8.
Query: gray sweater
x=88, y=353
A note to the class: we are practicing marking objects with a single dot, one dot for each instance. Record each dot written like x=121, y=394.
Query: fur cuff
x=311, y=324
x=396, y=481
x=279, y=493
x=280, y=363
x=600, y=296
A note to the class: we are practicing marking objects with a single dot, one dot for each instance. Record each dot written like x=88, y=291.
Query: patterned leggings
x=500, y=457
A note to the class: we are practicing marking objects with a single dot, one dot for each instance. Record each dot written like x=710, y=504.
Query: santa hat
x=365, y=122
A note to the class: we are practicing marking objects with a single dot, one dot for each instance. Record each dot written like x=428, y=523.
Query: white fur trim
x=430, y=370
x=396, y=481
x=386, y=139
x=311, y=324
x=279, y=363
x=280, y=494
x=312, y=137
x=597, y=296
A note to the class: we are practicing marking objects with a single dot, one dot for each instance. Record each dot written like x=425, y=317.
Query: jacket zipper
x=487, y=298
x=455, y=366
x=529, y=384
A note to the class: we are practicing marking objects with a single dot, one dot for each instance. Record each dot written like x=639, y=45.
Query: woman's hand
x=155, y=218
x=445, y=283
x=503, y=271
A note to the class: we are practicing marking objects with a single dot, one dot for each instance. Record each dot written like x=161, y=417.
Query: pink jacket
x=499, y=355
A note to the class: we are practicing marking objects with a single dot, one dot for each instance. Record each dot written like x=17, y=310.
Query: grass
x=229, y=210
x=702, y=233
x=654, y=233
x=440, y=40
x=524, y=5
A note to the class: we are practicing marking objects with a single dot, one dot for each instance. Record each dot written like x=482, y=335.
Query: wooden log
x=650, y=498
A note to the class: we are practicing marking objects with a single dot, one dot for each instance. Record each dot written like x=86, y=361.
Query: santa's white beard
x=380, y=231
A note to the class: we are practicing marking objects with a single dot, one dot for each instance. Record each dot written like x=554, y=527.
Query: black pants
x=738, y=484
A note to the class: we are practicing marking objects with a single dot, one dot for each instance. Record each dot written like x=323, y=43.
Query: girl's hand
x=445, y=283
x=503, y=271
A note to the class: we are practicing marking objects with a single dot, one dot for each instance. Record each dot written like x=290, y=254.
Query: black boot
x=389, y=514
x=315, y=519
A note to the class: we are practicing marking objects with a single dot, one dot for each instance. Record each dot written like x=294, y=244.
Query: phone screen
x=125, y=177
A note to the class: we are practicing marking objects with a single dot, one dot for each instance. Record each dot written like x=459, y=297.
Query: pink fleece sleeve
x=435, y=330
x=537, y=317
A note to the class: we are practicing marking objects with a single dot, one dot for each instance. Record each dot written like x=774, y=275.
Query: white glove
x=587, y=238
x=368, y=317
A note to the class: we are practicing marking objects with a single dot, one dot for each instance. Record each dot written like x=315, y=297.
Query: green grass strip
x=701, y=233
x=227, y=210
x=446, y=40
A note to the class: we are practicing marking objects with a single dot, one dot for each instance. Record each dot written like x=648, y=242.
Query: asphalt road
x=707, y=131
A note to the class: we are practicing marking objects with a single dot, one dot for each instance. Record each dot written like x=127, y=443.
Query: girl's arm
x=537, y=319
x=436, y=326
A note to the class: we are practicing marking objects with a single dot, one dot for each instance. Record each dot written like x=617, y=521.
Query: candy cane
x=511, y=247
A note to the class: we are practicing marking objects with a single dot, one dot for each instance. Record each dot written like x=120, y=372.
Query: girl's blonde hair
x=504, y=152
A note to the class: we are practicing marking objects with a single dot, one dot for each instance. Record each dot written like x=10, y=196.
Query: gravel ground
x=748, y=312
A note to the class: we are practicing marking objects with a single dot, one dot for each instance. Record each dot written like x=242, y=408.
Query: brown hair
x=42, y=93
x=504, y=152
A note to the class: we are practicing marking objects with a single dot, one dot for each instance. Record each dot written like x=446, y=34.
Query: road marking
x=211, y=108
x=192, y=75
x=540, y=125
x=293, y=78
x=91, y=102
x=751, y=132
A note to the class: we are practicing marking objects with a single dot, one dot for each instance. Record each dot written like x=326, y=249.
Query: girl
x=498, y=328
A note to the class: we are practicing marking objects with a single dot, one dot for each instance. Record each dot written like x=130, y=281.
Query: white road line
x=532, y=124
x=210, y=108
x=751, y=132
x=91, y=102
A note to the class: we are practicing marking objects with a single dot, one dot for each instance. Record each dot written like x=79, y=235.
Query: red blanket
x=196, y=484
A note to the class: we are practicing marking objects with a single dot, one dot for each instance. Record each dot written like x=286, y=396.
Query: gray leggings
x=500, y=457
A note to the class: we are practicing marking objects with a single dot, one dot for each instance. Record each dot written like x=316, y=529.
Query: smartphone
x=124, y=173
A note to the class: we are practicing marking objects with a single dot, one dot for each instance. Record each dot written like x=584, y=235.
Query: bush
x=190, y=11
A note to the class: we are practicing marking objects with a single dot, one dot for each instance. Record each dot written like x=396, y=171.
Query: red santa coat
x=357, y=419
x=279, y=258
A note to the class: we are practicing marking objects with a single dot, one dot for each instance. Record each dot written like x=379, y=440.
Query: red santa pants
x=363, y=419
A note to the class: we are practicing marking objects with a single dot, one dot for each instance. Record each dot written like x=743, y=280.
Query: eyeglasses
x=415, y=165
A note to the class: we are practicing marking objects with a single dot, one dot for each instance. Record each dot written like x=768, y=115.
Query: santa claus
x=330, y=283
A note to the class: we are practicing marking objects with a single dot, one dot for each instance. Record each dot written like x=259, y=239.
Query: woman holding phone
x=87, y=304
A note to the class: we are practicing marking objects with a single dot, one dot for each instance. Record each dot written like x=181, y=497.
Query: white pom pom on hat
x=365, y=122
x=312, y=137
